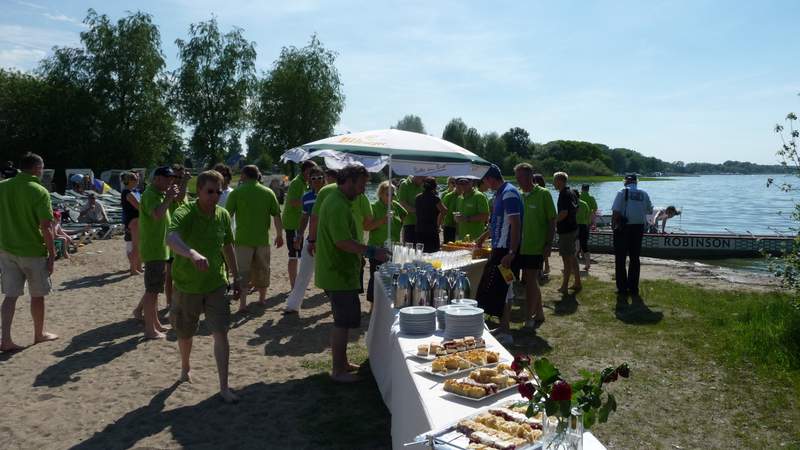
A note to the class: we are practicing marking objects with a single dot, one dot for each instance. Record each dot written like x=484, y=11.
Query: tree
x=300, y=100
x=214, y=82
x=473, y=141
x=121, y=67
x=518, y=142
x=494, y=148
x=411, y=123
x=454, y=131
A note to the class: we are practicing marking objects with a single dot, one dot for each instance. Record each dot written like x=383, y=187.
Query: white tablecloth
x=416, y=401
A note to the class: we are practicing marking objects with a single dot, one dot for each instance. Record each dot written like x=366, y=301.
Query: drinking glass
x=419, y=248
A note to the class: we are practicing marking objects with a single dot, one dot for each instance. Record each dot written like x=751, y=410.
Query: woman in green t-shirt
x=379, y=228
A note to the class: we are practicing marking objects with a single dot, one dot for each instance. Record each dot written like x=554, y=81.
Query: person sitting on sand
x=663, y=215
x=27, y=251
x=59, y=235
x=251, y=205
x=200, y=235
x=93, y=212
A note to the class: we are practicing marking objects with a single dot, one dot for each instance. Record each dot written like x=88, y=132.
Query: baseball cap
x=164, y=171
x=631, y=177
x=493, y=172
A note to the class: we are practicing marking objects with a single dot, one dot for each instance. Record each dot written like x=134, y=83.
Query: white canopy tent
x=404, y=152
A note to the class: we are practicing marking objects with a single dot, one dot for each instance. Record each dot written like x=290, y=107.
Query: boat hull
x=697, y=245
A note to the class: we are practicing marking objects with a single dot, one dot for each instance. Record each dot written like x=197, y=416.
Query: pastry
x=422, y=350
x=438, y=365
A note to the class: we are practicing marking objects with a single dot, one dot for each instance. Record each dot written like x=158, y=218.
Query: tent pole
x=389, y=208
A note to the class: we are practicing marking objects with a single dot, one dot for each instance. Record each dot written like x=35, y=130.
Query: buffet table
x=416, y=401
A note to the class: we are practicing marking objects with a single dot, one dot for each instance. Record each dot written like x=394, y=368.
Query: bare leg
x=292, y=271
x=185, y=348
x=37, y=313
x=587, y=261
x=341, y=368
x=150, y=312
x=137, y=259
x=243, y=296
x=567, y=270
x=222, y=357
x=137, y=312
x=575, y=270
x=534, y=296
x=505, y=319
x=262, y=295
x=8, y=345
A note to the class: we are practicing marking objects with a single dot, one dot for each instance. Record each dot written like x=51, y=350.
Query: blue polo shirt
x=635, y=207
x=507, y=202
x=308, y=200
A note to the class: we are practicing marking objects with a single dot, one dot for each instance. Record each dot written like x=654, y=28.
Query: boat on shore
x=699, y=245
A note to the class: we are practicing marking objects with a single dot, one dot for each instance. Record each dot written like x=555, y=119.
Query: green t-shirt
x=361, y=209
x=589, y=200
x=449, y=200
x=252, y=205
x=582, y=215
x=24, y=203
x=321, y=195
x=407, y=193
x=152, y=232
x=538, y=211
x=206, y=234
x=471, y=204
x=378, y=235
x=291, y=214
x=334, y=269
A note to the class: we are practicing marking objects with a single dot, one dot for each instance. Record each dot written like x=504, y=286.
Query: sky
x=680, y=80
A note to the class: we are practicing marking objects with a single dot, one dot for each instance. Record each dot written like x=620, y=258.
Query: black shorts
x=583, y=237
x=535, y=262
x=294, y=252
x=155, y=275
x=346, y=307
x=448, y=234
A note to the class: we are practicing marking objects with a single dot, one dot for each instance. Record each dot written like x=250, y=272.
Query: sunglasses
x=212, y=192
x=317, y=178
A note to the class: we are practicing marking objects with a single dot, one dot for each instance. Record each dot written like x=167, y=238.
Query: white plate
x=416, y=310
x=428, y=369
x=466, y=311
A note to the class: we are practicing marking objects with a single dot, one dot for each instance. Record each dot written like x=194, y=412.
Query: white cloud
x=30, y=5
x=63, y=18
x=20, y=58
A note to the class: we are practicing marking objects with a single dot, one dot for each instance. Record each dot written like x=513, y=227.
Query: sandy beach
x=102, y=386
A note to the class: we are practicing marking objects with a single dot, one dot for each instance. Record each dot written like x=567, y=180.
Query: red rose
x=526, y=390
x=561, y=391
x=611, y=377
x=624, y=371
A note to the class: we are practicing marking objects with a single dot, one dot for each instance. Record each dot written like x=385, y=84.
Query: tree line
x=574, y=157
x=112, y=102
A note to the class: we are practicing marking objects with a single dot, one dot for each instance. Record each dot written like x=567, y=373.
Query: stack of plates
x=465, y=302
x=440, y=312
x=463, y=321
x=418, y=320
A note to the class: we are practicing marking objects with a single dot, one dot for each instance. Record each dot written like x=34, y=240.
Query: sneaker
x=504, y=339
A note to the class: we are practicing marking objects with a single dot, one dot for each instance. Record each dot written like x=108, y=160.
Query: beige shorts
x=254, y=265
x=16, y=270
x=184, y=314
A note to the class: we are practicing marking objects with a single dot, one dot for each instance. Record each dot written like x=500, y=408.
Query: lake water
x=710, y=203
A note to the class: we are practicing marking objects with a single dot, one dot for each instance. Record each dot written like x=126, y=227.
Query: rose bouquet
x=564, y=402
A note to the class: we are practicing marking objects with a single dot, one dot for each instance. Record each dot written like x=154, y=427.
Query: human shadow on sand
x=67, y=370
x=96, y=280
x=566, y=306
x=277, y=336
x=298, y=413
x=637, y=313
x=100, y=336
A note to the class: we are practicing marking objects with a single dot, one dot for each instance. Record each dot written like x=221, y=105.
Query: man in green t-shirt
x=292, y=210
x=583, y=217
x=180, y=179
x=337, y=266
x=407, y=196
x=27, y=251
x=471, y=211
x=154, y=217
x=449, y=199
x=251, y=205
x=585, y=196
x=200, y=235
x=538, y=229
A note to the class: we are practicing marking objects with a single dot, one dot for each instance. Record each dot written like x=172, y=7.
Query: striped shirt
x=308, y=200
x=507, y=202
